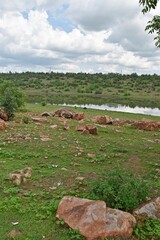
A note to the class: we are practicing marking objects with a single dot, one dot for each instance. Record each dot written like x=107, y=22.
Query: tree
x=154, y=24
x=11, y=99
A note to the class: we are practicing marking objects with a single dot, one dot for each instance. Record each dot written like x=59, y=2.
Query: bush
x=11, y=99
x=120, y=190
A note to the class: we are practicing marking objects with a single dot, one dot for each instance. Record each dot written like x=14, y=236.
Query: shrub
x=26, y=119
x=120, y=189
x=11, y=99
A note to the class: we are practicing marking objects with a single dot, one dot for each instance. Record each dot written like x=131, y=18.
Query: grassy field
x=57, y=162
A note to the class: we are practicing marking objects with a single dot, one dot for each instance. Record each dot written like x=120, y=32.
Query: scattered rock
x=94, y=220
x=64, y=169
x=20, y=176
x=2, y=125
x=147, y=124
x=45, y=138
x=92, y=129
x=64, y=113
x=80, y=128
x=78, y=116
x=151, y=209
x=91, y=155
x=66, y=127
x=87, y=129
x=53, y=126
x=39, y=120
x=118, y=122
x=14, y=233
x=4, y=115
x=80, y=178
x=102, y=119
x=46, y=114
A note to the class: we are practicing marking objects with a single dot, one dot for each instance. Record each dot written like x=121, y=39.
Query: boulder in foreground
x=94, y=220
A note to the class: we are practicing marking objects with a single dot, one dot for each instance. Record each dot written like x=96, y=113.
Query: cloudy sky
x=76, y=36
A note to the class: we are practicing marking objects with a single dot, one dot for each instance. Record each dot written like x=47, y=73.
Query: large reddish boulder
x=4, y=116
x=94, y=220
x=147, y=124
x=2, y=125
x=103, y=119
x=86, y=215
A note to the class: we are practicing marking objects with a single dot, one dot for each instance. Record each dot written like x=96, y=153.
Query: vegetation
x=154, y=24
x=11, y=99
x=83, y=88
x=60, y=159
x=120, y=189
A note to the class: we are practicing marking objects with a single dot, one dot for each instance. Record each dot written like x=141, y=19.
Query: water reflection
x=118, y=108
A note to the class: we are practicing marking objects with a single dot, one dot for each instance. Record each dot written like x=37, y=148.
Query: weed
x=120, y=190
x=150, y=229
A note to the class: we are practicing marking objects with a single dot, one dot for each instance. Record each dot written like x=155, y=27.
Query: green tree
x=11, y=98
x=153, y=25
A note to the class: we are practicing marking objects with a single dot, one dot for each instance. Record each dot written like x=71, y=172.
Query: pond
x=118, y=108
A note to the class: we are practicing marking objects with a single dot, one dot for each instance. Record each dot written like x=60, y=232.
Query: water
x=118, y=108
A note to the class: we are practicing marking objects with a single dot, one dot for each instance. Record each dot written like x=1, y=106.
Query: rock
x=94, y=220
x=64, y=113
x=80, y=178
x=20, y=176
x=2, y=125
x=14, y=233
x=78, y=116
x=53, y=126
x=118, y=122
x=46, y=114
x=80, y=128
x=4, y=115
x=151, y=209
x=147, y=124
x=103, y=119
x=91, y=129
x=66, y=127
x=45, y=138
x=91, y=155
x=86, y=215
x=119, y=224
x=39, y=120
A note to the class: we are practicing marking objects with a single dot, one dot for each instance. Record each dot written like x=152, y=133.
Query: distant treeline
x=52, y=87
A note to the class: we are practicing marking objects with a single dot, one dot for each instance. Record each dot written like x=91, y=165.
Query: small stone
x=64, y=169
x=80, y=178
x=53, y=126
x=14, y=233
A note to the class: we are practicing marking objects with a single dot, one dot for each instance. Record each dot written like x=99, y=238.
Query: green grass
x=34, y=204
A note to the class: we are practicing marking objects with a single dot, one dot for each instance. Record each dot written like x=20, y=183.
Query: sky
x=76, y=36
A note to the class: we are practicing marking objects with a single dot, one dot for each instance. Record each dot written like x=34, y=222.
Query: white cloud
x=108, y=36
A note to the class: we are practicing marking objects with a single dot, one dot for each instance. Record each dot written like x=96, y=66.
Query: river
x=118, y=108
